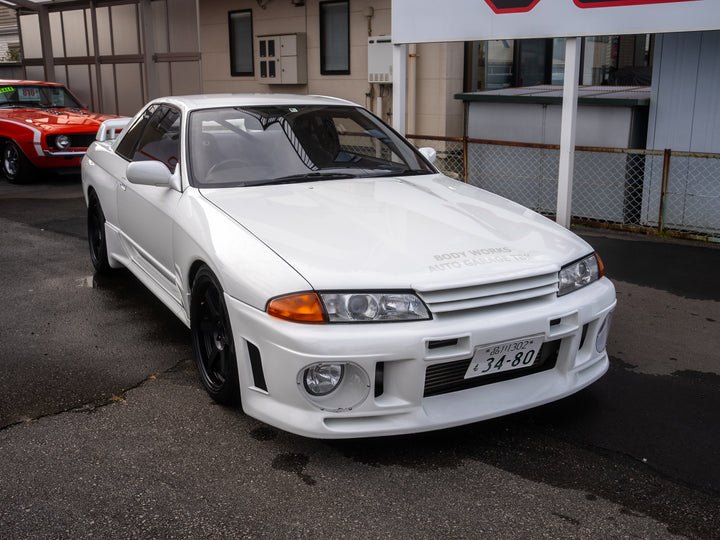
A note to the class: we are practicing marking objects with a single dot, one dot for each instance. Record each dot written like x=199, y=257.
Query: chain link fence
x=663, y=192
x=450, y=154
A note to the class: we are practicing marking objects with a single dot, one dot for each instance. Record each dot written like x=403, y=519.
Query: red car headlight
x=62, y=142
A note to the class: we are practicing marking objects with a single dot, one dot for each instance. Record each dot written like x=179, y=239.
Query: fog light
x=334, y=387
x=322, y=379
x=62, y=142
x=603, y=333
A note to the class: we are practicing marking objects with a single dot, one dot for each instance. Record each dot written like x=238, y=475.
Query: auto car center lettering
x=475, y=257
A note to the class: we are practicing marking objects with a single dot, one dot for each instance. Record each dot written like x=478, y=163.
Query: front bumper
x=65, y=153
x=57, y=160
x=396, y=357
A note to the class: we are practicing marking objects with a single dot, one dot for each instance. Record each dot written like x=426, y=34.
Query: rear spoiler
x=110, y=129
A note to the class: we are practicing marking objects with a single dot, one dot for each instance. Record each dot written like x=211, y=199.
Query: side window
x=160, y=138
x=126, y=146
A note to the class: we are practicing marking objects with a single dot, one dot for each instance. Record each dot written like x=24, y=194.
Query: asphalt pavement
x=106, y=431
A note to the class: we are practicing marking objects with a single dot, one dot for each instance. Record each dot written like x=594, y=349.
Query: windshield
x=281, y=144
x=37, y=96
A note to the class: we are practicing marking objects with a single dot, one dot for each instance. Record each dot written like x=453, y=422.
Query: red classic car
x=42, y=126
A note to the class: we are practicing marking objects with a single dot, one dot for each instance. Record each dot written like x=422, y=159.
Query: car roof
x=209, y=101
x=6, y=82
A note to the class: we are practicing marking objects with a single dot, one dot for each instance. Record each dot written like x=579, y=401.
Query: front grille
x=450, y=376
x=490, y=294
x=82, y=140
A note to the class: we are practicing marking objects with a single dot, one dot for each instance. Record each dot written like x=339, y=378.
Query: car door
x=146, y=213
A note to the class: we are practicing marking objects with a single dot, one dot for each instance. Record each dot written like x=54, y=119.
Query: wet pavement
x=106, y=430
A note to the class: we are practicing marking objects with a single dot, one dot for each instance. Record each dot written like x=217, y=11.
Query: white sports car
x=336, y=284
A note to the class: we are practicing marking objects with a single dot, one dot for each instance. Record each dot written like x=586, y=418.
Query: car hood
x=56, y=120
x=420, y=232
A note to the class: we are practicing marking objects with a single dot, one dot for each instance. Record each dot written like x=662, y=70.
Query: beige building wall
x=439, y=66
x=439, y=78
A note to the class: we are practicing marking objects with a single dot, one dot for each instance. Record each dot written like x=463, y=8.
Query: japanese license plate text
x=505, y=356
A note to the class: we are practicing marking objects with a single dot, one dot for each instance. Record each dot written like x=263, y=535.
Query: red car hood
x=56, y=120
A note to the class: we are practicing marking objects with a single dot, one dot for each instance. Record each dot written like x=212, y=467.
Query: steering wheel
x=225, y=165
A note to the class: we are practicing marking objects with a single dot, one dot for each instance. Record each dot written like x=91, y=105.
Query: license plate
x=505, y=356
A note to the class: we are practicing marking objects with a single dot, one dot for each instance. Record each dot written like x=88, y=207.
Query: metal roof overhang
x=37, y=6
x=33, y=5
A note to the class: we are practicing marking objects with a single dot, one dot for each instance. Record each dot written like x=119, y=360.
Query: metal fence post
x=663, y=191
x=466, y=160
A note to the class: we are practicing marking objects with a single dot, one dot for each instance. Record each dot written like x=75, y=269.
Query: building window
x=242, y=63
x=605, y=60
x=335, y=38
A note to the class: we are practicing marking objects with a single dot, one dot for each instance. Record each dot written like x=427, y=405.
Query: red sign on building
x=511, y=6
x=521, y=6
x=609, y=3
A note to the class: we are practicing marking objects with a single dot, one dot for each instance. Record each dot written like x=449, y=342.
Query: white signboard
x=422, y=21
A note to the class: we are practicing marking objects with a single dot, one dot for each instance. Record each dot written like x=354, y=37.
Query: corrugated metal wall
x=685, y=116
x=116, y=56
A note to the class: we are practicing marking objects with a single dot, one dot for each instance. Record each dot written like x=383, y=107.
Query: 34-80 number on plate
x=505, y=356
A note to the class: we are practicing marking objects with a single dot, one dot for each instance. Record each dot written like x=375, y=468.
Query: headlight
x=62, y=142
x=576, y=275
x=370, y=307
x=310, y=307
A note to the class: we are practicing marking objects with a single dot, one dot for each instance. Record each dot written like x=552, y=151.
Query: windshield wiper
x=401, y=172
x=306, y=177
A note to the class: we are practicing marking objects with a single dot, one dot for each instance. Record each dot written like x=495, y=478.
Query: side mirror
x=149, y=173
x=429, y=153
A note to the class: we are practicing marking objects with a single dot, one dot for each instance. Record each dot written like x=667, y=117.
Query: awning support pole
x=567, y=131
x=46, y=43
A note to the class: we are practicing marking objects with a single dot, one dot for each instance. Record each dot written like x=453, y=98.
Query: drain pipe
x=412, y=87
x=379, y=102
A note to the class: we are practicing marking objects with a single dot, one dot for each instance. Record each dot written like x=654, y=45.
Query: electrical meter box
x=282, y=59
x=380, y=59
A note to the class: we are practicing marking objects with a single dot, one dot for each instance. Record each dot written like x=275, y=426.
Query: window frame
x=126, y=146
x=134, y=140
x=233, y=41
x=323, y=45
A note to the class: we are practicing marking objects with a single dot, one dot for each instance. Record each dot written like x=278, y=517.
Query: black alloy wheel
x=15, y=166
x=96, y=235
x=212, y=339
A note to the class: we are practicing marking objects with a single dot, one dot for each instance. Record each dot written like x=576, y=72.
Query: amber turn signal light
x=601, y=266
x=300, y=307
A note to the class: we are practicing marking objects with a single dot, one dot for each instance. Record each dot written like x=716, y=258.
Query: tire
x=97, y=241
x=212, y=339
x=15, y=166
